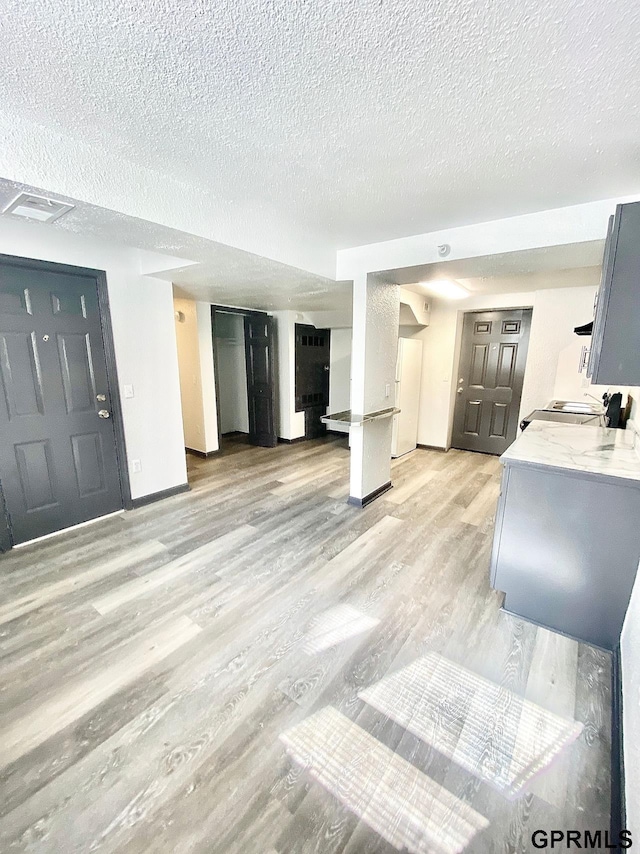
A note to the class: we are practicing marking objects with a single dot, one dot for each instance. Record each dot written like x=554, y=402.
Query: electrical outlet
x=136, y=466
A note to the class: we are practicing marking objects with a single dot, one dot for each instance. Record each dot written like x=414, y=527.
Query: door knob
x=103, y=413
x=460, y=390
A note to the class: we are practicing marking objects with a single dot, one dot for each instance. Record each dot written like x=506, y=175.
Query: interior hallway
x=151, y=663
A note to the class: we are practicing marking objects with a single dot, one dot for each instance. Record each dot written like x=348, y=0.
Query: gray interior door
x=489, y=383
x=58, y=461
x=261, y=390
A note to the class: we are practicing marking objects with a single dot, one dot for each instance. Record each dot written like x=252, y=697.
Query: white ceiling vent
x=27, y=206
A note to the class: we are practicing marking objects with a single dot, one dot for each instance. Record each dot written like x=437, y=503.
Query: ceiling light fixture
x=446, y=288
x=39, y=208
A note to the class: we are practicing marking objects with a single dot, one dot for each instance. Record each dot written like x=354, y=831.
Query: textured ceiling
x=211, y=271
x=568, y=265
x=359, y=119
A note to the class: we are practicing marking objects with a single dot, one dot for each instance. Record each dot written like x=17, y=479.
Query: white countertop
x=597, y=450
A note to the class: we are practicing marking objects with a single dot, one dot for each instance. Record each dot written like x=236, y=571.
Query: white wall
x=340, y=374
x=232, y=375
x=290, y=422
x=374, y=349
x=197, y=384
x=559, y=226
x=207, y=376
x=145, y=346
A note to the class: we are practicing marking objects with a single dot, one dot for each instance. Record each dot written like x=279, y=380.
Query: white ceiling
x=564, y=266
x=212, y=272
x=359, y=119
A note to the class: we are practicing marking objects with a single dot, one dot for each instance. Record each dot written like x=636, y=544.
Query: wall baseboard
x=362, y=502
x=618, y=805
x=432, y=448
x=202, y=454
x=295, y=441
x=158, y=496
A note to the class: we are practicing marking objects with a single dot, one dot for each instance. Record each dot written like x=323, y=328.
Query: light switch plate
x=136, y=466
x=128, y=391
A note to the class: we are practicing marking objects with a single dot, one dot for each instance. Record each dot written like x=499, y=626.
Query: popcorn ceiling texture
x=354, y=120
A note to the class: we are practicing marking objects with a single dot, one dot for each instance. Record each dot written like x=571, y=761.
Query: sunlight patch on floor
x=407, y=808
x=334, y=626
x=488, y=730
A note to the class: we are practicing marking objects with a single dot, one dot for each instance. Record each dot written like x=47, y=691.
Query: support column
x=376, y=308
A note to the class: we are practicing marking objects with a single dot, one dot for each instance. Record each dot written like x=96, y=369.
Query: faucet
x=605, y=398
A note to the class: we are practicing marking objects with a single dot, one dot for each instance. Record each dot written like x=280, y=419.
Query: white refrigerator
x=408, y=375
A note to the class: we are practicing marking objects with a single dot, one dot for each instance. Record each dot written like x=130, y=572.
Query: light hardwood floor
x=202, y=674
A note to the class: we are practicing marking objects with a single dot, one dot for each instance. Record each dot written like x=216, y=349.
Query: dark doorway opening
x=62, y=455
x=493, y=356
x=313, y=348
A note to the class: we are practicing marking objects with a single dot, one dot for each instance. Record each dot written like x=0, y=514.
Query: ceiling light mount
x=446, y=288
x=443, y=250
x=36, y=208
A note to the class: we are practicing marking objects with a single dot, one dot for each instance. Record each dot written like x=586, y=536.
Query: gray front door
x=58, y=461
x=489, y=382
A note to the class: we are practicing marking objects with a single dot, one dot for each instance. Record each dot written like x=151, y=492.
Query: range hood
x=586, y=329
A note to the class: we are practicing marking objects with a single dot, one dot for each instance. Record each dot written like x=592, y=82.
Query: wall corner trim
x=362, y=502
x=158, y=496
x=202, y=454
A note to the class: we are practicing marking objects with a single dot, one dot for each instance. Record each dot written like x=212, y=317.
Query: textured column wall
x=376, y=308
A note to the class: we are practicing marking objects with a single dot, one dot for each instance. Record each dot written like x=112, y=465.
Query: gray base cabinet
x=566, y=549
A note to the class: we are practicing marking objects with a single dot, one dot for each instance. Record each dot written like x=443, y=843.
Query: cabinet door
x=602, y=297
x=569, y=550
x=615, y=346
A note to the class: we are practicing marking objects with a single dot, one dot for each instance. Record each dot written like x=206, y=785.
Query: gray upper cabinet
x=615, y=345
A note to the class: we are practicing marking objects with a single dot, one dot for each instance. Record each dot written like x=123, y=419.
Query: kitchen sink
x=576, y=406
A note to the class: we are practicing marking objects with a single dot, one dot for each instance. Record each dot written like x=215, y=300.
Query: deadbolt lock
x=101, y=397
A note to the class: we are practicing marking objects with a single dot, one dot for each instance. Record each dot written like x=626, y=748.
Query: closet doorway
x=244, y=352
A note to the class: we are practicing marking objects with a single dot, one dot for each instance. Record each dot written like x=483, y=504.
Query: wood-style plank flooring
x=201, y=674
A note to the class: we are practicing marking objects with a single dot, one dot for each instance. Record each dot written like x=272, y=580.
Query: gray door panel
x=259, y=348
x=58, y=463
x=489, y=383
